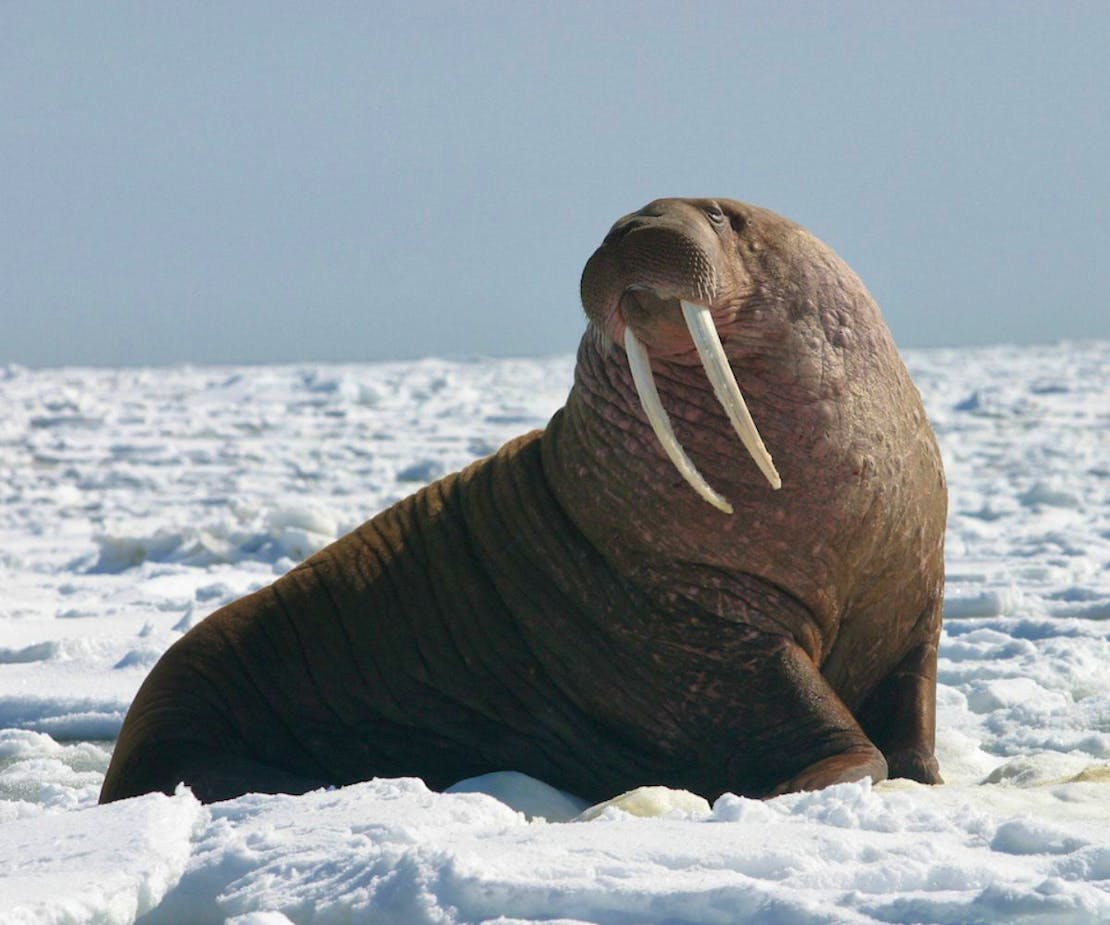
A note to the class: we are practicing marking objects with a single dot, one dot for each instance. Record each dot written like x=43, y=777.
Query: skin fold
x=570, y=608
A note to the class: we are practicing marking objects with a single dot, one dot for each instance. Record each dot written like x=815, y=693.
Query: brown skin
x=570, y=608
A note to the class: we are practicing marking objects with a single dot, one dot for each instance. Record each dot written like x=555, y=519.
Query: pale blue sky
x=259, y=182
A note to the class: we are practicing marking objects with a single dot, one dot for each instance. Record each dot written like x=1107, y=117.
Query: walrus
x=719, y=567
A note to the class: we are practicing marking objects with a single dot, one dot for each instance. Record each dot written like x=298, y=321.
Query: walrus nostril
x=623, y=227
x=617, y=232
x=634, y=220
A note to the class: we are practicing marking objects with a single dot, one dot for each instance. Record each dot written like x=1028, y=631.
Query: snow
x=56, y=868
x=134, y=502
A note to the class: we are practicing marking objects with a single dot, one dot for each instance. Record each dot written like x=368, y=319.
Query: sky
x=279, y=182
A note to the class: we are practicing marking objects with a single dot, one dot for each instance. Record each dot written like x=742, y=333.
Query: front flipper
x=900, y=715
x=851, y=765
x=797, y=734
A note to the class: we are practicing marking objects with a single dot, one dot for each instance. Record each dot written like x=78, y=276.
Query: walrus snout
x=641, y=218
x=657, y=255
x=654, y=280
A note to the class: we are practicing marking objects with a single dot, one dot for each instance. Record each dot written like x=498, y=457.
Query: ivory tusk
x=704, y=332
x=640, y=365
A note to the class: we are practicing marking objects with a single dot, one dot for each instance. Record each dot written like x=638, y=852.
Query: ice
x=649, y=802
x=525, y=794
x=109, y=864
x=135, y=502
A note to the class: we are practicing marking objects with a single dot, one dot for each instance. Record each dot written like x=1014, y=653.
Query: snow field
x=134, y=502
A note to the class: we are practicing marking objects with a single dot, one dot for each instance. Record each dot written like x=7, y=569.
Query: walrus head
x=666, y=282
x=698, y=300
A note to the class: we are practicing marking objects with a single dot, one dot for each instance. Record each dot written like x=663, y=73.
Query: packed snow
x=135, y=502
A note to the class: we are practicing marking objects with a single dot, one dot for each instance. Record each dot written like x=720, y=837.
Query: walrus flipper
x=795, y=732
x=900, y=714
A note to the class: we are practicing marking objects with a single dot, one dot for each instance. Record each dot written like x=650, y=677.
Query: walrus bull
x=626, y=597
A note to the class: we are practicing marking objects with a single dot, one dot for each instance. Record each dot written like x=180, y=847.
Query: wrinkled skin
x=571, y=609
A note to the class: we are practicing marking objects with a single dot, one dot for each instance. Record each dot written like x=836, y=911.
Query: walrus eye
x=715, y=213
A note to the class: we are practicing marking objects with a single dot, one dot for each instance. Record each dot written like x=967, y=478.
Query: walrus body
x=570, y=608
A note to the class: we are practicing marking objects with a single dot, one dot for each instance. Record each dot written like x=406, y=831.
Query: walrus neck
x=609, y=472
x=611, y=476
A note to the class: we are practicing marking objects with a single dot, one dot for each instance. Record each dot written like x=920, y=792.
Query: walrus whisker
x=640, y=365
x=700, y=322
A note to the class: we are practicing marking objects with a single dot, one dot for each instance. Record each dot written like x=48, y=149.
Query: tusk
x=640, y=365
x=704, y=332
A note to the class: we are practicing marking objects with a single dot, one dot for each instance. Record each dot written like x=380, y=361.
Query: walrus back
x=320, y=674
x=431, y=641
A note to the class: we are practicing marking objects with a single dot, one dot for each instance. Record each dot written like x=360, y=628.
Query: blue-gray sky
x=268, y=181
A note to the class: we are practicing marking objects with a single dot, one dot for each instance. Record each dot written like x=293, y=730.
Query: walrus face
x=666, y=281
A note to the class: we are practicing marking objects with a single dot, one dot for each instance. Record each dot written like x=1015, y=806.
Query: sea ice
x=134, y=502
